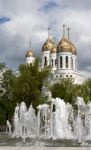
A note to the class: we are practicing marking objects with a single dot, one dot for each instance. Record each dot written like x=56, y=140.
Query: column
x=64, y=62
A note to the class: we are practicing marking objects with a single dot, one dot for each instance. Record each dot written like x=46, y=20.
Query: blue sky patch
x=4, y=20
x=48, y=6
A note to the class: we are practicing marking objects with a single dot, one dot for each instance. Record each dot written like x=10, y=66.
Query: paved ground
x=44, y=148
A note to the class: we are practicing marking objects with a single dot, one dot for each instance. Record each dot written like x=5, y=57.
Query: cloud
x=23, y=21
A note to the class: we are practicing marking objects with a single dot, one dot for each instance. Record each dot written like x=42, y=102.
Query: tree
x=29, y=83
x=2, y=66
x=7, y=102
x=87, y=90
x=65, y=89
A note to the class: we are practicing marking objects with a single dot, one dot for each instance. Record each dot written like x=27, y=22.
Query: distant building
x=62, y=58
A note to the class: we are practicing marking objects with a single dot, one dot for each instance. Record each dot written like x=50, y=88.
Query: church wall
x=53, y=61
x=30, y=60
x=45, y=58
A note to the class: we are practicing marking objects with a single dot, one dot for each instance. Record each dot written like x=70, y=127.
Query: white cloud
x=30, y=20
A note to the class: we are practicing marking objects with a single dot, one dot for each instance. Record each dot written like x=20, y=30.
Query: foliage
x=87, y=90
x=84, y=90
x=2, y=66
x=29, y=83
x=6, y=93
x=65, y=89
x=24, y=87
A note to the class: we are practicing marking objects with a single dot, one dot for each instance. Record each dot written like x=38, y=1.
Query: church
x=61, y=57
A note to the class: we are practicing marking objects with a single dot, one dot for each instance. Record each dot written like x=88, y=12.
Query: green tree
x=87, y=90
x=29, y=83
x=2, y=66
x=7, y=102
x=84, y=90
x=65, y=89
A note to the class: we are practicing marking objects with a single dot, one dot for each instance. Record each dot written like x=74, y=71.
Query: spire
x=49, y=29
x=64, y=30
x=68, y=29
x=30, y=48
x=54, y=38
x=30, y=45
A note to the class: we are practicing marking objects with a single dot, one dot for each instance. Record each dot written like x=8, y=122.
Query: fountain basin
x=7, y=140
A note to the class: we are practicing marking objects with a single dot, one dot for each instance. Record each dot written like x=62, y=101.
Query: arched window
x=61, y=62
x=55, y=62
x=66, y=61
x=76, y=64
x=45, y=61
x=52, y=62
x=72, y=63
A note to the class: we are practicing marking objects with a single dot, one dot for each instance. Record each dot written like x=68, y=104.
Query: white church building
x=62, y=58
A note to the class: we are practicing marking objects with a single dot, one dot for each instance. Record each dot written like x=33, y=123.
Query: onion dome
x=48, y=45
x=64, y=46
x=73, y=48
x=29, y=53
x=54, y=50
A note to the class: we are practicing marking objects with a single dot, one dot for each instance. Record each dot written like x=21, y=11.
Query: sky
x=24, y=21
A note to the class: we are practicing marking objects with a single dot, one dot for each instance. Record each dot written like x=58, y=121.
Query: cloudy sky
x=22, y=21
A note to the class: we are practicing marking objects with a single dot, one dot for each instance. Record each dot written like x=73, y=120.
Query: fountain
x=8, y=127
x=55, y=121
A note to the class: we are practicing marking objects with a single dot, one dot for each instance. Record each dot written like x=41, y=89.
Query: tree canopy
x=64, y=89
x=29, y=83
x=6, y=94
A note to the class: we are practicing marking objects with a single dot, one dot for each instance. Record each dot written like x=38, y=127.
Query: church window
x=52, y=62
x=55, y=62
x=72, y=63
x=75, y=64
x=45, y=61
x=66, y=61
x=61, y=63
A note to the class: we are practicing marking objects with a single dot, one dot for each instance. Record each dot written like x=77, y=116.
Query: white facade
x=30, y=60
x=63, y=61
x=53, y=61
x=45, y=58
x=49, y=59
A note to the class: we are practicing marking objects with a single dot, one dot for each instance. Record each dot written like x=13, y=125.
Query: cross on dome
x=64, y=30
x=68, y=29
x=49, y=31
x=30, y=45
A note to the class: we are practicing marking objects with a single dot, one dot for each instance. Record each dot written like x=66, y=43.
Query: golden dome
x=74, y=51
x=54, y=50
x=64, y=46
x=29, y=53
x=48, y=45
